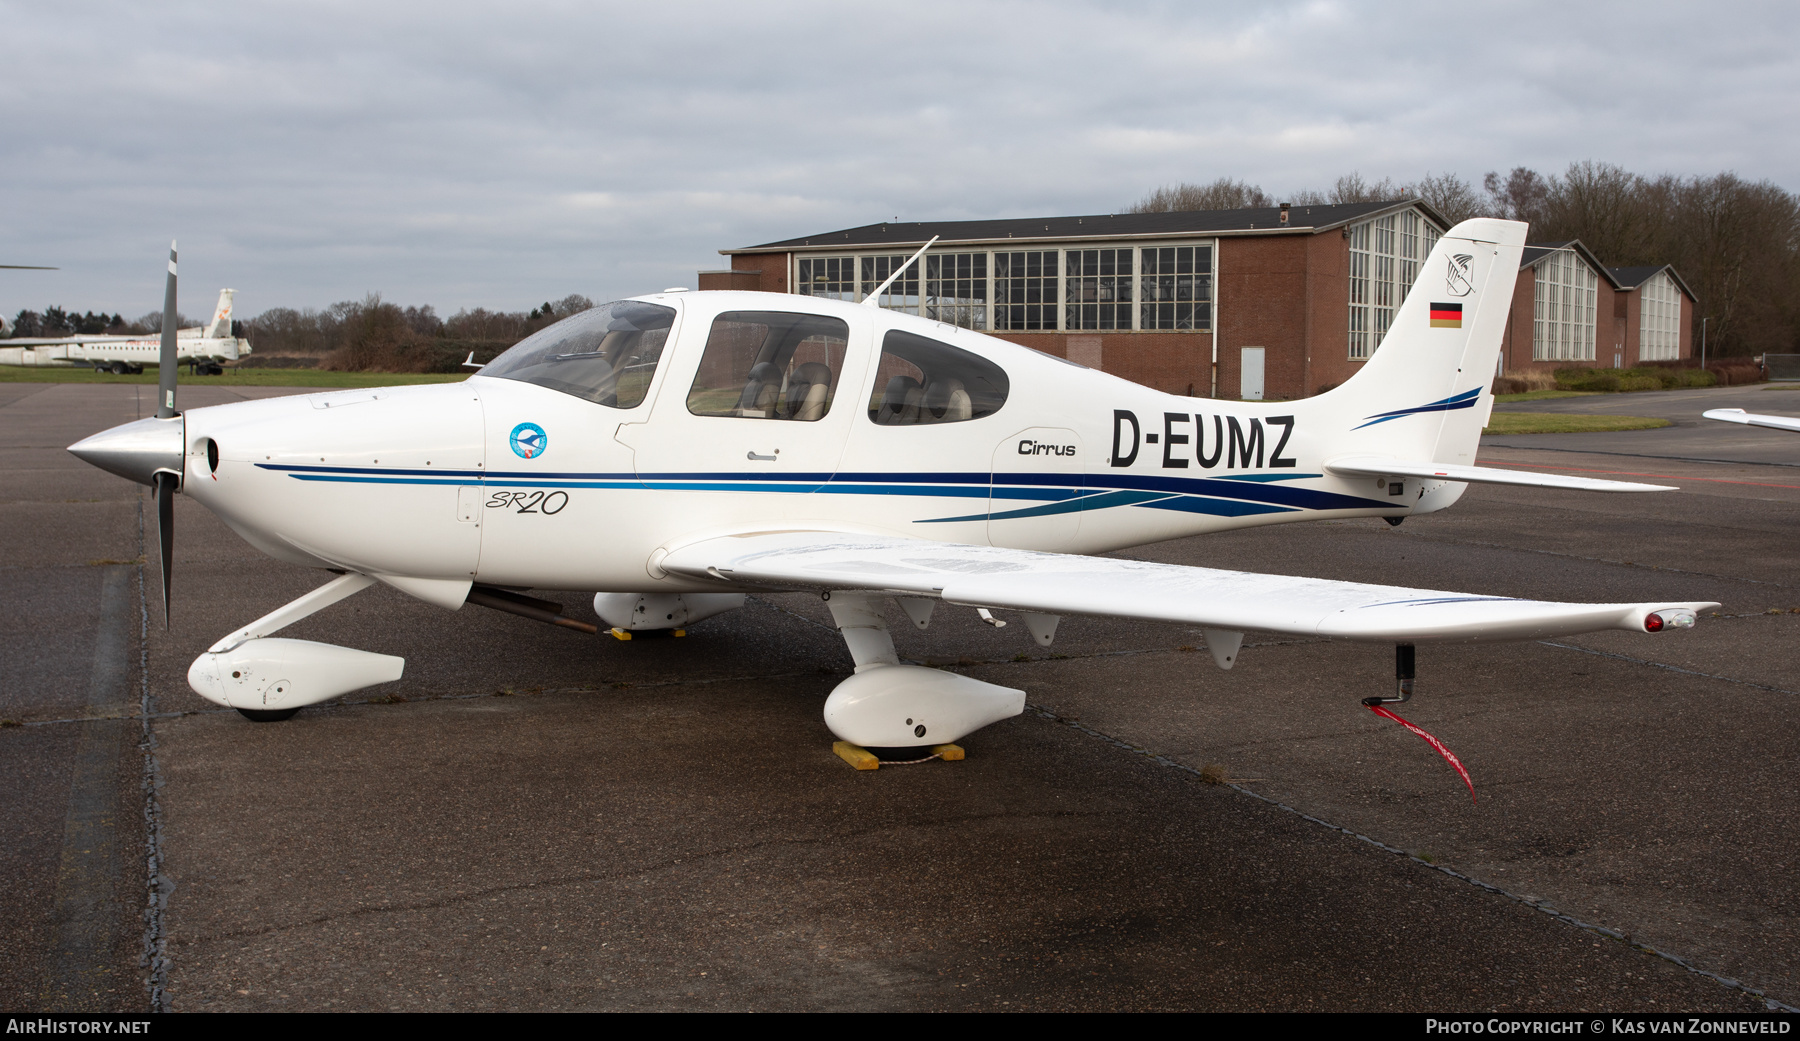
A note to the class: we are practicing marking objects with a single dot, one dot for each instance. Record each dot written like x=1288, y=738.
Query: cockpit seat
x=808, y=392
x=900, y=402
x=946, y=401
x=761, y=391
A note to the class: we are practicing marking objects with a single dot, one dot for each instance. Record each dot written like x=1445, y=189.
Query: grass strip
x=234, y=377
x=1544, y=395
x=1560, y=423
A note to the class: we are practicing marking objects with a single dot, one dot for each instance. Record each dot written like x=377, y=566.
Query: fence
x=1783, y=366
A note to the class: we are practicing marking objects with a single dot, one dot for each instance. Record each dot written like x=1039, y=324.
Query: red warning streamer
x=1449, y=756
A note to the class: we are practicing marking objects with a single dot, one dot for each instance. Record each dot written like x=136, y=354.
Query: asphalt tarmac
x=535, y=819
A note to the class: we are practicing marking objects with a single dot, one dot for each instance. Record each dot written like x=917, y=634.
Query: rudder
x=1424, y=393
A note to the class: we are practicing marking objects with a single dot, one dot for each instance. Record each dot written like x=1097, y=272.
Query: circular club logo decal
x=528, y=440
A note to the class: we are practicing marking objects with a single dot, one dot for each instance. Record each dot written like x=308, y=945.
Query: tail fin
x=220, y=326
x=1424, y=394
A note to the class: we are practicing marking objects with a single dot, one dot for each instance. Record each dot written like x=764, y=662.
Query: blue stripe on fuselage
x=1224, y=495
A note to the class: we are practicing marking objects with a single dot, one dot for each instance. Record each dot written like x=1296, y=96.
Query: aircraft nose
x=135, y=450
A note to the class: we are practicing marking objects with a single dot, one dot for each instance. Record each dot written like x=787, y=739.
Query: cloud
x=464, y=154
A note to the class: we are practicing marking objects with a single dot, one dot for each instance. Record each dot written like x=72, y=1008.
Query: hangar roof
x=1633, y=277
x=1259, y=221
x=1537, y=252
x=1625, y=278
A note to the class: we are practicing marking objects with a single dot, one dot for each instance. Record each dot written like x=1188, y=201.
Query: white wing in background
x=1059, y=584
x=1752, y=419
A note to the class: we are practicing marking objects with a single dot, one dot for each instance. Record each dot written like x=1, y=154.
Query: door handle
x=764, y=458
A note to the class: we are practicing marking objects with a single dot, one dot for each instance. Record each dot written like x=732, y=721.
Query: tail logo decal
x=1446, y=316
x=1466, y=399
x=1456, y=280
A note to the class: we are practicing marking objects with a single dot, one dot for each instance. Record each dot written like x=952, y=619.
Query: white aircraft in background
x=679, y=450
x=204, y=344
x=1752, y=419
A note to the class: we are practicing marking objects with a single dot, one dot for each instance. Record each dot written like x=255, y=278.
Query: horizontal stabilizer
x=1060, y=584
x=1752, y=419
x=1384, y=466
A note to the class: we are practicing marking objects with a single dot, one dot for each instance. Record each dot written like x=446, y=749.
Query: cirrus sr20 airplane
x=677, y=451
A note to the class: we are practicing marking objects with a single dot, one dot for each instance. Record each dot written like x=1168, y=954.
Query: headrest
x=763, y=376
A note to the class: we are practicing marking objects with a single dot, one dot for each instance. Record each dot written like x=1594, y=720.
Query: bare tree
x=1451, y=196
x=1222, y=194
x=1522, y=195
x=1352, y=188
x=1604, y=206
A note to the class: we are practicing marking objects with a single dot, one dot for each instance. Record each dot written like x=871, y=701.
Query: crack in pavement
x=1671, y=668
x=1541, y=906
x=1452, y=541
x=560, y=881
x=154, y=958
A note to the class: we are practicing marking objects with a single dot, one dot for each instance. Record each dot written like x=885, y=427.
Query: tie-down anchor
x=1403, y=677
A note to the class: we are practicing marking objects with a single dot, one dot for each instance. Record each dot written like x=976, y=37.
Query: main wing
x=1059, y=584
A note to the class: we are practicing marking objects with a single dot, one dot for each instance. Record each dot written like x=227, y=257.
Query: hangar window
x=920, y=380
x=903, y=295
x=606, y=355
x=1097, y=289
x=956, y=289
x=769, y=365
x=1563, y=309
x=1177, y=288
x=1025, y=290
x=1410, y=256
x=1659, y=332
x=1359, y=292
x=833, y=278
x=1385, y=256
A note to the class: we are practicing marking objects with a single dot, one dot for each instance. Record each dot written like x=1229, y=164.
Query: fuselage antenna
x=874, y=299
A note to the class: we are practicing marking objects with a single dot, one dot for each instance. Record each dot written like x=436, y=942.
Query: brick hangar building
x=1278, y=302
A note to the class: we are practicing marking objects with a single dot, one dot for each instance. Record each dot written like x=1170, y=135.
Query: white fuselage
x=430, y=481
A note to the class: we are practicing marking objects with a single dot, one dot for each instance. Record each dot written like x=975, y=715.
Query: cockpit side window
x=921, y=380
x=606, y=355
x=770, y=365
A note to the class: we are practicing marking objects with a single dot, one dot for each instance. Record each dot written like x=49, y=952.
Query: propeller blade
x=165, y=367
x=165, y=533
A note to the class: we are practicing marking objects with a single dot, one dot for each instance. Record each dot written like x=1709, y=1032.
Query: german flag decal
x=1446, y=316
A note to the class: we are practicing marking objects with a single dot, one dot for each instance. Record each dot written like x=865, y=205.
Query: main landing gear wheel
x=267, y=715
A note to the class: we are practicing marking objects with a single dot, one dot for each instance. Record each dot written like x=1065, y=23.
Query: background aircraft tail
x=220, y=326
x=1424, y=394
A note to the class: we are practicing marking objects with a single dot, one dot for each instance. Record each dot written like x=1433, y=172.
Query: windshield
x=605, y=355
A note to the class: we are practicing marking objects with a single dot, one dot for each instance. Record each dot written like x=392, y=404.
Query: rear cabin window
x=606, y=355
x=770, y=365
x=921, y=380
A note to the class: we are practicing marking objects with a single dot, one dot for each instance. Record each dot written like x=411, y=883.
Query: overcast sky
x=500, y=155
